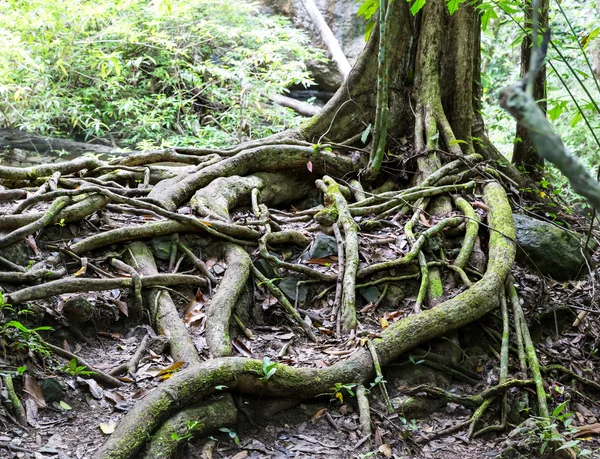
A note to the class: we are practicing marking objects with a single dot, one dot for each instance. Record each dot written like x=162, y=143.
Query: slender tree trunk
x=523, y=153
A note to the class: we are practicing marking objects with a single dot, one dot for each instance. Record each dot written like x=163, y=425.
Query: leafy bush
x=196, y=72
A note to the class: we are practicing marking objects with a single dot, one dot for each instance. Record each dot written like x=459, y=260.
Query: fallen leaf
x=588, y=429
x=241, y=348
x=241, y=455
x=385, y=449
x=65, y=406
x=108, y=428
x=81, y=271
x=383, y=322
x=171, y=368
x=327, y=261
x=318, y=415
x=35, y=391
x=194, y=310
x=309, y=166
x=93, y=386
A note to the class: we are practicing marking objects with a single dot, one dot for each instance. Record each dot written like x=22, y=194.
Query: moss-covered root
x=171, y=193
x=364, y=411
x=21, y=233
x=17, y=406
x=136, y=308
x=410, y=235
x=225, y=193
x=331, y=188
x=471, y=232
x=502, y=380
x=196, y=422
x=222, y=303
x=532, y=359
x=163, y=312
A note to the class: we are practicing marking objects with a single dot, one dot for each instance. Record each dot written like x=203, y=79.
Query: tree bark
x=524, y=154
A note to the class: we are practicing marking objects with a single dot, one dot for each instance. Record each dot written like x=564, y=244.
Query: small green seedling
x=77, y=370
x=232, y=434
x=269, y=369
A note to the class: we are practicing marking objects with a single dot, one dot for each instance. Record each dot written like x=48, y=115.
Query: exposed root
x=244, y=375
x=199, y=421
x=77, y=284
x=223, y=302
x=348, y=306
x=287, y=306
x=163, y=312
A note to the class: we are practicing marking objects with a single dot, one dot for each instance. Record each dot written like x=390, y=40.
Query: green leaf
x=576, y=119
x=559, y=409
x=456, y=142
x=453, y=6
x=368, y=9
x=417, y=6
x=65, y=406
x=569, y=444
x=365, y=134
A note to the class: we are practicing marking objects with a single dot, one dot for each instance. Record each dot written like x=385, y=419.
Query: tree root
x=225, y=193
x=163, y=312
x=223, y=302
x=171, y=193
x=45, y=219
x=78, y=284
x=16, y=405
x=287, y=306
x=348, y=306
x=199, y=421
x=246, y=375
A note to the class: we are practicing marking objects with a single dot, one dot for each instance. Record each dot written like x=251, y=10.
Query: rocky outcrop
x=553, y=250
x=341, y=17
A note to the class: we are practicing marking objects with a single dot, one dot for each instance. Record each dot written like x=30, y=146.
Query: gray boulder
x=553, y=250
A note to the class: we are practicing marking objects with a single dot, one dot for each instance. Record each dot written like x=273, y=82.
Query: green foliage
x=198, y=72
x=552, y=438
x=269, y=369
x=502, y=22
x=232, y=434
x=337, y=391
x=77, y=370
x=24, y=337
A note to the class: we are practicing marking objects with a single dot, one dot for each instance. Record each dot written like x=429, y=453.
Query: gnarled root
x=245, y=375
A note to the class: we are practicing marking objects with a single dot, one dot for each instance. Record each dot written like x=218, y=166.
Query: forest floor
x=80, y=416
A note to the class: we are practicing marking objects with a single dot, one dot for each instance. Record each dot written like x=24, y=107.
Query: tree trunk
x=524, y=154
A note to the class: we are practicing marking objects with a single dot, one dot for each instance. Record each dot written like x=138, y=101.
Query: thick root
x=222, y=303
x=245, y=375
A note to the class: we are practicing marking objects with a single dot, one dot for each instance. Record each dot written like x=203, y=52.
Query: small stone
x=323, y=246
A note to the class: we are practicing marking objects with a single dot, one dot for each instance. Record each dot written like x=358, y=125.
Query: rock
x=52, y=390
x=553, y=250
x=288, y=286
x=323, y=246
x=17, y=253
x=78, y=310
x=347, y=27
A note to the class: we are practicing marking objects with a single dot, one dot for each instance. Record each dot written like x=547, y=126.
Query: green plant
x=551, y=437
x=148, y=73
x=337, y=391
x=26, y=338
x=232, y=434
x=77, y=370
x=4, y=305
x=269, y=369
